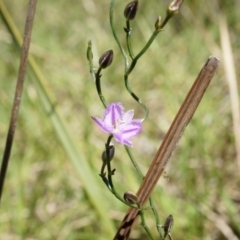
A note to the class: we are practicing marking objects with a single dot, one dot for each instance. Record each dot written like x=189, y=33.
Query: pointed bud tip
x=131, y=10
x=174, y=6
x=106, y=59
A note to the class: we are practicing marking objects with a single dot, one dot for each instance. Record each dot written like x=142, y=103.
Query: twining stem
x=128, y=70
x=145, y=48
x=108, y=161
x=98, y=86
x=148, y=44
x=136, y=97
x=136, y=58
x=109, y=181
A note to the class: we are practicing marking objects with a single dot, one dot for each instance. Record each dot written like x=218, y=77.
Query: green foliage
x=45, y=195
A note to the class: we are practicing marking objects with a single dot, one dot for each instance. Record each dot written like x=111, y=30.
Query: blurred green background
x=52, y=188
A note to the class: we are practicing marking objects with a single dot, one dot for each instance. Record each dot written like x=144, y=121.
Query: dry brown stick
x=168, y=145
x=18, y=92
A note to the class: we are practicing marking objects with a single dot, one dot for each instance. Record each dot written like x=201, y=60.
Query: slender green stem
x=134, y=162
x=110, y=173
x=166, y=19
x=128, y=39
x=155, y=213
x=135, y=59
x=148, y=44
x=115, y=35
x=98, y=86
x=144, y=225
x=107, y=181
x=96, y=76
x=145, y=48
x=136, y=97
x=129, y=70
x=150, y=199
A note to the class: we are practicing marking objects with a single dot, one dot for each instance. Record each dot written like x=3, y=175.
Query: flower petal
x=112, y=113
x=120, y=124
x=129, y=131
x=128, y=116
x=128, y=143
x=119, y=138
x=106, y=128
x=132, y=129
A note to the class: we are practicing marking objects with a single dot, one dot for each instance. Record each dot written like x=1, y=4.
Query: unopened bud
x=131, y=10
x=106, y=59
x=158, y=23
x=130, y=197
x=168, y=225
x=174, y=6
x=111, y=153
x=89, y=51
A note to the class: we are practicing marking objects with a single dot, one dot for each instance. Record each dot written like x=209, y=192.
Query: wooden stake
x=168, y=145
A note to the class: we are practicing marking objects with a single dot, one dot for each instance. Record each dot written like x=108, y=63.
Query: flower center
x=118, y=125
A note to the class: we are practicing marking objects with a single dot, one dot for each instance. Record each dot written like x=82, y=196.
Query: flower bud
x=158, y=23
x=168, y=225
x=130, y=197
x=111, y=153
x=89, y=51
x=174, y=6
x=131, y=10
x=106, y=59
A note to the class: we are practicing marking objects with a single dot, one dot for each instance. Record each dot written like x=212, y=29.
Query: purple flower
x=119, y=123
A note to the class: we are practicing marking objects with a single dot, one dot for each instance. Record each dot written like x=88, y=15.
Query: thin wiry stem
x=98, y=86
x=115, y=34
x=151, y=202
x=136, y=97
x=128, y=39
x=108, y=181
x=128, y=70
x=145, y=226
